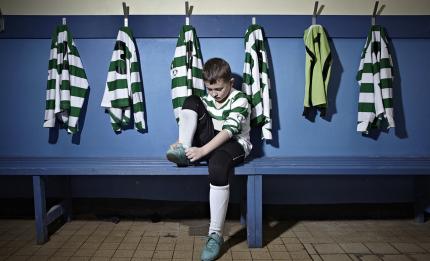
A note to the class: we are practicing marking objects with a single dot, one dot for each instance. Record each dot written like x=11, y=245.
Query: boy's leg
x=221, y=165
x=197, y=128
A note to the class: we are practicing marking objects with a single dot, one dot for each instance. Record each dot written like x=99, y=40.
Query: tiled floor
x=182, y=240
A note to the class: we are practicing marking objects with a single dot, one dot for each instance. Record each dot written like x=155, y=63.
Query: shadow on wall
x=334, y=83
x=76, y=138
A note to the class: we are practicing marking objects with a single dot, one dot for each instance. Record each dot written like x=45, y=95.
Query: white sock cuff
x=226, y=187
x=187, y=112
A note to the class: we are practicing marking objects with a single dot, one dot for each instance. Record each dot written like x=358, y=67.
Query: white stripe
x=180, y=51
x=181, y=91
x=75, y=61
x=366, y=116
x=113, y=76
x=76, y=101
x=178, y=72
x=366, y=97
x=78, y=82
x=118, y=94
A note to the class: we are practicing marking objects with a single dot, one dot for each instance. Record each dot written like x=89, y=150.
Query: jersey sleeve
x=237, y=116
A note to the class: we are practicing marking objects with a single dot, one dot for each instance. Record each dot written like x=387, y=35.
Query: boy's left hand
x=195, y=153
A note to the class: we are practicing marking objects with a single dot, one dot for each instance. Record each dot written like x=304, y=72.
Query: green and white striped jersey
x=256, y=82
x=232, y=115
x=123, y=91
x=186, y=69
x=67, y=85
x=375, y=77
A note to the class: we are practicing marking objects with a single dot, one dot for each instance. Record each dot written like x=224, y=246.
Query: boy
x=215, y=128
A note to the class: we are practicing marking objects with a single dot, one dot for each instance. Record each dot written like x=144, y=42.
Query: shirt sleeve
x=238, y=116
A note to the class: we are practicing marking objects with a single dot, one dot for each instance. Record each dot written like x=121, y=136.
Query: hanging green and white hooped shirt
x=256, y=82
x=232, y=115
x=375, y=77
x=123, y=91
x=67, y=85
x=186, y=70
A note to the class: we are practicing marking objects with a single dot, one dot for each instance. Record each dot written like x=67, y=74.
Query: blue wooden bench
x=255, y=169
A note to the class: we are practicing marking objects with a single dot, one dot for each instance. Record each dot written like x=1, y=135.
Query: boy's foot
x=177, y=155
x=212, y=248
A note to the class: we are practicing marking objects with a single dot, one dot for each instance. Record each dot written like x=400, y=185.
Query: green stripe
x=117, y=84
x=388, y=103
x=197, y=73
x=78, y=92
x=120, y=103
x=248, y=79
x=258, y=121
x=256, y=99
x=179, y=81
x=136, y=87
x=179, y=61
x=386, y=83
x=139, y=126
x=366, y=107
x=72, y=129
x=65, y=85
x=366, y=87
x=51, y=84
x=65, y=105
x=52, y=64
x=178, y=102
x=241, y=110
x=138, y=107
x=75, y=111
x=231, y=128
x=119, y=66
x=135, y=67
x=78, y=72
x=50, y=105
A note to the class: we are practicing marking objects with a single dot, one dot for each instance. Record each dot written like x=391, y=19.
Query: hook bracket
x=314, y=15
x=126, y=11
x=1, y=22
x=188, y=12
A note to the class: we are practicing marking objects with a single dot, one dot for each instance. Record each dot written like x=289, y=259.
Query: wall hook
x=314, y=15
x=1, y=22
x=126, y=10
x=188, y=12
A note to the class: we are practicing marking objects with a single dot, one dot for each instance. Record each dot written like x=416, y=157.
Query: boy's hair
x=216, y=69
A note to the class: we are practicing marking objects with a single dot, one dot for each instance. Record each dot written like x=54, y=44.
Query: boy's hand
x=195, y=153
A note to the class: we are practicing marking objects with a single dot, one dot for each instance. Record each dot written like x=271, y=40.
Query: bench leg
x=68, y=200
x=254, y=211
x=243, y=205
x=40, y=209
x=421, y=198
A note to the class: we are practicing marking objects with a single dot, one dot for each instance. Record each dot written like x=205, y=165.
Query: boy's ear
x=232, y=81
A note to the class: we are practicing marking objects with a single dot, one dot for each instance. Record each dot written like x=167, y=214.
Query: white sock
x=187, y=127
x=218, y=203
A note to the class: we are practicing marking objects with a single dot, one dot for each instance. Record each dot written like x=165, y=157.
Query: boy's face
x=220, y=90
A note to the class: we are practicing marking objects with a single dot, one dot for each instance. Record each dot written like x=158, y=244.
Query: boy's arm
x=195, y=153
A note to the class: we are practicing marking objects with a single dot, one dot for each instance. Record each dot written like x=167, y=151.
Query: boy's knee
x=192, y=103
x=219, y=168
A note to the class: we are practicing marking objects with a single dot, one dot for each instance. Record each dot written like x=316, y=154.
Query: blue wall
x=23, y=73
